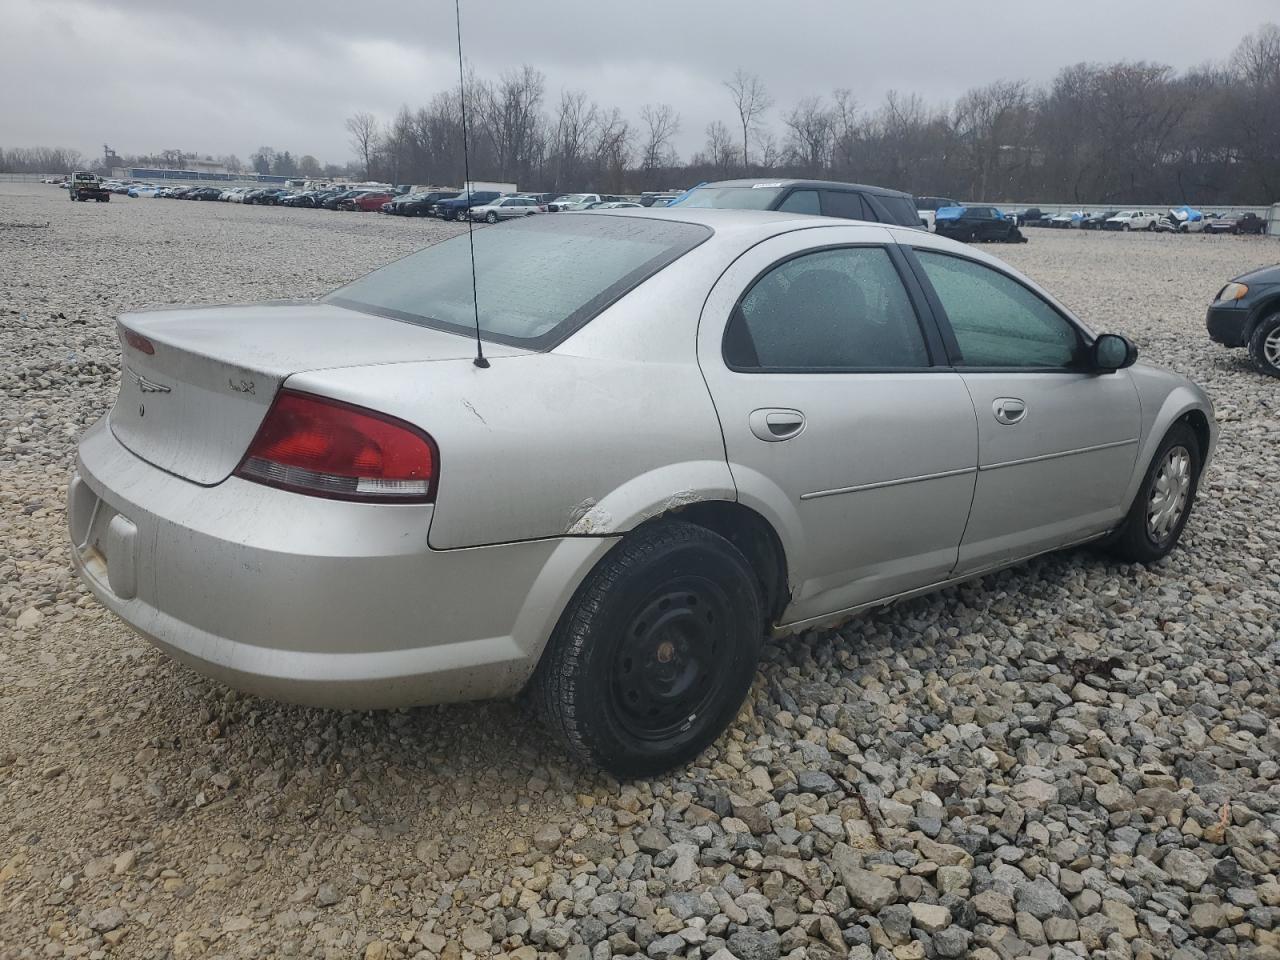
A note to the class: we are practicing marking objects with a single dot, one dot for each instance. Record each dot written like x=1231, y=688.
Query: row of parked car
x=481, y=205
x=1175, y=220
x=971, y=223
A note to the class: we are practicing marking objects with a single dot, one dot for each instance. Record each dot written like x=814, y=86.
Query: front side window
x=830, y=309
x=996, y=320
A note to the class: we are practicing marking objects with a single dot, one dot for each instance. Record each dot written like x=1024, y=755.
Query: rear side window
x=801, y=201
x=537, y=279
x=842, y=203
x=996, y=320
x=896, y=209
x=830, y=309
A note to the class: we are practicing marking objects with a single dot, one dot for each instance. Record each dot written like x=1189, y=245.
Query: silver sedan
x=689, y=429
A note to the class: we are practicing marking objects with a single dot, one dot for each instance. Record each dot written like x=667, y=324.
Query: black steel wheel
x=656, y=651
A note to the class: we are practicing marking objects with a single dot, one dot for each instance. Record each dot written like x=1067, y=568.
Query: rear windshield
x=536, y=280
x=732, y=198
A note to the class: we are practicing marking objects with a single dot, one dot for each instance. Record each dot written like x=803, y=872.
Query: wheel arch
x=1162, y=409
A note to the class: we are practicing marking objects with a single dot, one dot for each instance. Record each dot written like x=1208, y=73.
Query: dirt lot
x=1073, y=758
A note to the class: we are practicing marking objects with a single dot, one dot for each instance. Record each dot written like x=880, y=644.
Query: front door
x=1056, y=442
x=838, y=426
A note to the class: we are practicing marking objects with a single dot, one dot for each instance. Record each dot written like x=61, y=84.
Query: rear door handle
x=772, y=424
x=1009, y=410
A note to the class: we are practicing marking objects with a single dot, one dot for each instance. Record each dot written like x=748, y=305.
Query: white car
x=145, y=190
x=505, y=208
x=1132, y=220
x=574, y=201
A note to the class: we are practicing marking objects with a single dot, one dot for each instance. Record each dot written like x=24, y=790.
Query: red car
x=366, y=201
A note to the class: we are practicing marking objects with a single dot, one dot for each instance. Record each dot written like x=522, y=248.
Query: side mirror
x=1113, y=352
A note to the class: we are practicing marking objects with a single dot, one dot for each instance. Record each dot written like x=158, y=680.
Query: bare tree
x=574, y=133
x=992, y=123
x=363, y=128
x=661, y=124
x=811, y=126
x=613, y=145
x=510, y=111
x=751, y=100
x=720, y=152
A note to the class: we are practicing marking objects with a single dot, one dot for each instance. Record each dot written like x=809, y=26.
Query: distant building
x=209, y=170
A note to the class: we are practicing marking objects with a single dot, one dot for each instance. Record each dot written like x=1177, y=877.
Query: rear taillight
x=327, y=448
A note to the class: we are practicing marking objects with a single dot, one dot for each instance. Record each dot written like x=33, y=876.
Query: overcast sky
x=227, y=76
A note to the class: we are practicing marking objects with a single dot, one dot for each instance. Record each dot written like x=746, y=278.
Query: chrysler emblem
x=144, y=384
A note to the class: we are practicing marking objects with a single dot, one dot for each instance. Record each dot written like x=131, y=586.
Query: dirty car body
x=637, y=377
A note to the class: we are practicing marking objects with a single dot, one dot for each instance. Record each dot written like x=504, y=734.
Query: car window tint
x=842, y=308
x=997, y=321
x=896, y=209
x=800, y=201
x=536, y=280
x=842, y=203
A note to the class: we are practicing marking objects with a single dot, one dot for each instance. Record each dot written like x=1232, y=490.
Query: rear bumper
x=309, y=600
x=1228, y=324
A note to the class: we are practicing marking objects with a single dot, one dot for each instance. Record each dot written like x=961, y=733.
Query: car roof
x=731, y=221
x=811, y=184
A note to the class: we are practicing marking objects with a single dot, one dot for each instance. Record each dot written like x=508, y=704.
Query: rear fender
x=650, y=495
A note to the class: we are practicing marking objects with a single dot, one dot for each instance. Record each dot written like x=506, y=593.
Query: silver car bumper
x=310, y=600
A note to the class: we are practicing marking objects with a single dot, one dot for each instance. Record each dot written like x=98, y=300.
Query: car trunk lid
x=196, y=382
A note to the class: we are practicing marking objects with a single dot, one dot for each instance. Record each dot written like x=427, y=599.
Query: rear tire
x=655, y=653
x=1164, y=501
x=1264, y=345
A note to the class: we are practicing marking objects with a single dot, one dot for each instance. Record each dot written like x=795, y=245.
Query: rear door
x=1056, y=442
x=838, y=425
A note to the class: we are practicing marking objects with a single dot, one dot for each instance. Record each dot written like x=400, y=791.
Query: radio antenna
x=480, y=360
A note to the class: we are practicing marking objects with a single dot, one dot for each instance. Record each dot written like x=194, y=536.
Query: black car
x=332, y=202
x=977, y=225
x=420, y=204
x=308, y=199
x=206, y=193
x=1094, y=221
x=1246, y=313
x=1248, y=223
x=854, y=201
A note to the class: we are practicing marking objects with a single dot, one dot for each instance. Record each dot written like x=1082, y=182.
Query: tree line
x=1135, y=132
x=1132, y=132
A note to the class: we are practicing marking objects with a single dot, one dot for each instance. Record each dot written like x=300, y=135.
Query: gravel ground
x=1069, y=759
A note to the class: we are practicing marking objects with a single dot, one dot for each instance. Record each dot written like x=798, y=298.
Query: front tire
x=655, y=653
x=1163, y=504
x=491, y=217
x=1264, y=346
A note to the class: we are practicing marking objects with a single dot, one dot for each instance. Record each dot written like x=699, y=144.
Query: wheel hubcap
x=1271, y=347
x=666, y=671
x=1169, y=494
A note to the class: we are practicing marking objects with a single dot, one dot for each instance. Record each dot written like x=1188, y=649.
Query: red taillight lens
x=327, y=448
x=139, y=342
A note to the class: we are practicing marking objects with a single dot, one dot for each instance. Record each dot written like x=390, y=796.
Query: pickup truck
x=87, y=186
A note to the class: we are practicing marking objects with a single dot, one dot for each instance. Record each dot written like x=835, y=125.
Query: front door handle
x=772, y=424
x=1009, y=410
